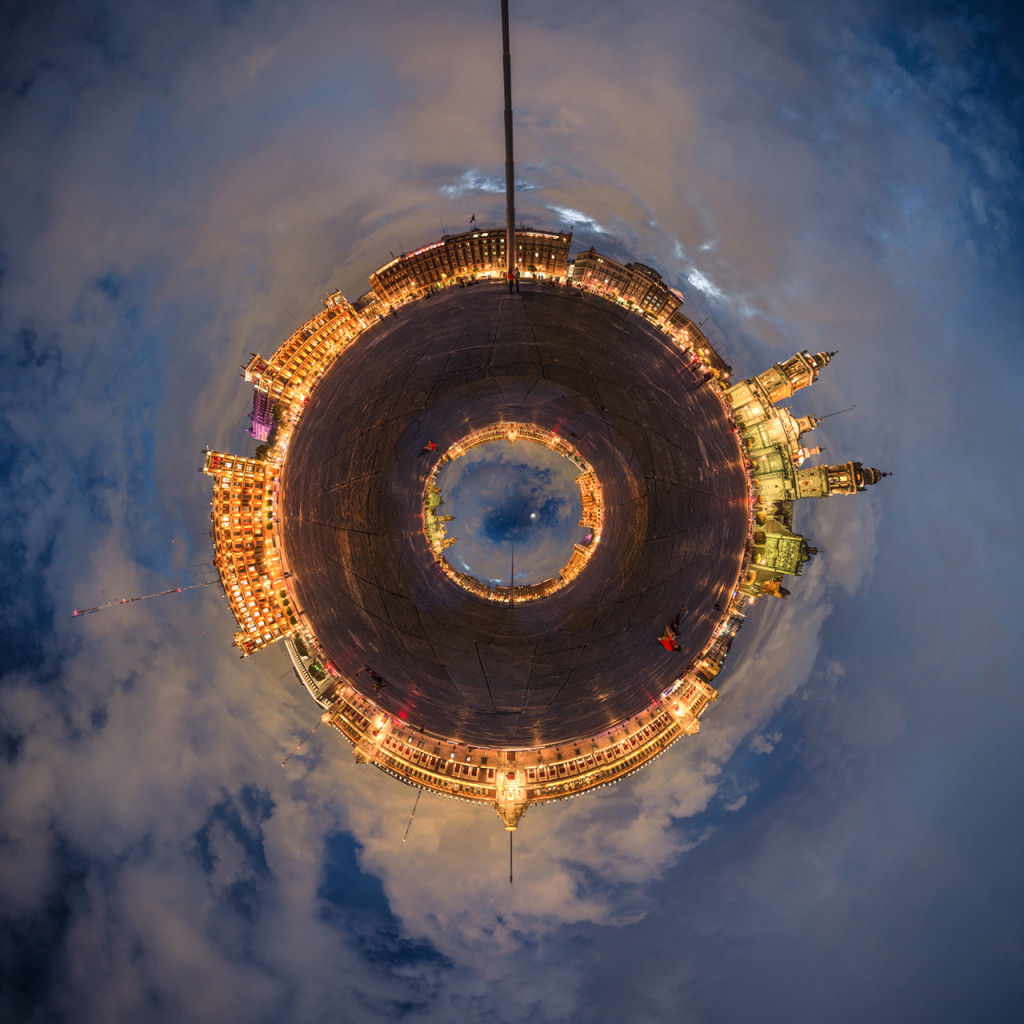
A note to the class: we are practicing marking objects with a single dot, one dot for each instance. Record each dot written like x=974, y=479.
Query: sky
x=841, y=841
x=510, y=502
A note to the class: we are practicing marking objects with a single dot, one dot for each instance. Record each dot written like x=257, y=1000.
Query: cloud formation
x=510, y=504
x=840, y=841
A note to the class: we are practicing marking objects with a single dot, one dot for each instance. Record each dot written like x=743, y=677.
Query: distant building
x=590, y=498
x=261, y=419
x=468, y=256
x=635, y=283
x=642, y=288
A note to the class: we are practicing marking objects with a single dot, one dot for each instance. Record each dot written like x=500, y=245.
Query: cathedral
x=773, y=440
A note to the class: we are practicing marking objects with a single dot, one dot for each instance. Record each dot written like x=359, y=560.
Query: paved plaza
x=568, y=665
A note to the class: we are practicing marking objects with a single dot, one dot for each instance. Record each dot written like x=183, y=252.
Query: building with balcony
x=245, y=548
x=467, y=256
x=287, y=378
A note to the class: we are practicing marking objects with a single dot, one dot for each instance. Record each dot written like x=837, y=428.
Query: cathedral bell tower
x=797, y=372
x=824, y=481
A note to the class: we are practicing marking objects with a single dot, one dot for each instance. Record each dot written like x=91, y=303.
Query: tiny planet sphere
x=549, y=671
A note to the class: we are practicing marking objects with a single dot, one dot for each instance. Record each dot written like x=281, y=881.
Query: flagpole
x=510, y=176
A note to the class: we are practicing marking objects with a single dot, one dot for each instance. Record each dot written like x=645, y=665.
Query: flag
x=472, y=220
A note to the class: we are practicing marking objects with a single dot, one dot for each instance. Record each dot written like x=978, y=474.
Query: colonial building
x=245, y=548
x=511, y=781
x=754, y=400
x=643, y=289
x=467, y=256
x=293, y=370
x=823, y=481
x=635, y=283
x=590, y=497
x=772, y=437
x=776, y=552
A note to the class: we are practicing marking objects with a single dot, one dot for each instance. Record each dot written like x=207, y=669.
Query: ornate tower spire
x=801, y=455
x=806, y=424
x=824, y=481
x=797, y=372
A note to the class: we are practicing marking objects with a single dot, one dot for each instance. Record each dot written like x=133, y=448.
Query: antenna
x=144, y=597
x=510, y=173
x=510, y=860
x=413, y=815
x=841, y=411
x=304, y=738
x=512, y=578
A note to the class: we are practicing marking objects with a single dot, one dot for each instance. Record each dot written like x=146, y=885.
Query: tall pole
x=510, y=174
x=144, y=597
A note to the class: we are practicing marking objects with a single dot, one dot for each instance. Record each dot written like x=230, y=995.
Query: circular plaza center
x=512, y=512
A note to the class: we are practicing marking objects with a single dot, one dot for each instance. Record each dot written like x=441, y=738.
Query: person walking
x=511, y=281
x=517, y=279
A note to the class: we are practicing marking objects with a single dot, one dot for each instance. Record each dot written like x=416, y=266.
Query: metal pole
x=510, y=174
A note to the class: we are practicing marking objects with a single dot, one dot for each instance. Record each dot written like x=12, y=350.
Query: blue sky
x=511, y=501
x=841, y=842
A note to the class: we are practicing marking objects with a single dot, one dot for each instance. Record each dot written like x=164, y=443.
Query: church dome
x=867, y=477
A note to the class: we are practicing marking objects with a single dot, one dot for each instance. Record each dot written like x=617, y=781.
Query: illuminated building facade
x=261, y=419
x=245, y=548
x=287, y=378
x=692, y=341
x=435, y=524
x=376, y=708
x=772, y=437
x=510, y=780
x=590, y=496
x=468, y=256
x=635, y=283
x=642, y=288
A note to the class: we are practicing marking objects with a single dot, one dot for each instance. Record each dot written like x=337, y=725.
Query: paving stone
x=551, y=670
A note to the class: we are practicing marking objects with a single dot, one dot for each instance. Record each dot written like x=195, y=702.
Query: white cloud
x=765, y=743
x=176, y=201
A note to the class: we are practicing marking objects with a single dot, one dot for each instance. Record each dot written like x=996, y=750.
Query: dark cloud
x=840, y=842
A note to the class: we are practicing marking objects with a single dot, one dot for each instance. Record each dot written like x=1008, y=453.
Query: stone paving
x=571, y=664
